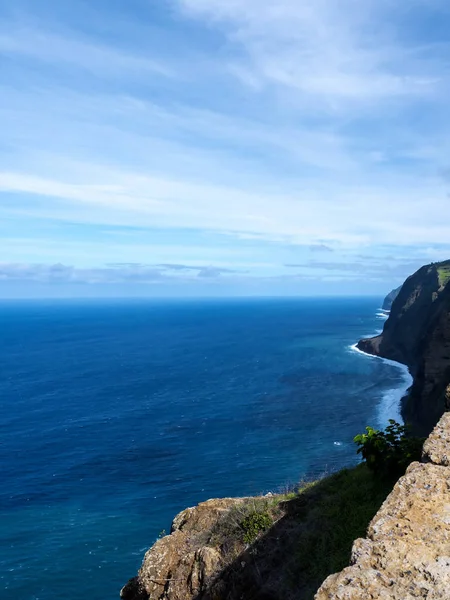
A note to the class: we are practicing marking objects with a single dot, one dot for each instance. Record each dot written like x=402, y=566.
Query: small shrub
x=388, y=453
x=243, y=523
x=254, y=524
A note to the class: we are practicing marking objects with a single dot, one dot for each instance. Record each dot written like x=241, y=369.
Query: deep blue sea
x=116, y=415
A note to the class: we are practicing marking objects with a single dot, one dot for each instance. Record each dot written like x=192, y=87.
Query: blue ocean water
x=115, y=415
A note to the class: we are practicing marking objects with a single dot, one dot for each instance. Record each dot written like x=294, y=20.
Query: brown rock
x=437, y=447
x=407, y=553
x=180, y=565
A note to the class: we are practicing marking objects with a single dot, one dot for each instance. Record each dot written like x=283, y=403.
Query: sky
x=222, y=147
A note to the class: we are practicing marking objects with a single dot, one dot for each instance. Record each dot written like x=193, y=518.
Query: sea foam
x=390, y=405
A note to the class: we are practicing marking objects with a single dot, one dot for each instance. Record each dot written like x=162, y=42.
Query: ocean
x=117, y=414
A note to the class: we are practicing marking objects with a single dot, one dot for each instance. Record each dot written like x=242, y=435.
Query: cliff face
x=388, y=301
x=183, y=564
x=406, y=554
x=417, y=333
x=275, y=547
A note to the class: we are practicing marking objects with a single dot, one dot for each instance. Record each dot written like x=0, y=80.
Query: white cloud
x=322, y=146
x=333, y=51
x=75, y=51
x=350, y=215
x=110, y=274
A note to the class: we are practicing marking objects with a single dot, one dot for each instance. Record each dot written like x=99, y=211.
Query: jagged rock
x=180, y=565
x=407, y=552
x=437, y=447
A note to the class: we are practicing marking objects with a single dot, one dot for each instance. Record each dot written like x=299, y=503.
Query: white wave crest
x=390, y=405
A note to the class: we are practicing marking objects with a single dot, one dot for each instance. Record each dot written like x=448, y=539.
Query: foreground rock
x=406, y=554
x=437, y=447
x=275, y=547
x=181, y=565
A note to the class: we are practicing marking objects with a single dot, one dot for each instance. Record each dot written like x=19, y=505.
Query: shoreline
x=392, y=400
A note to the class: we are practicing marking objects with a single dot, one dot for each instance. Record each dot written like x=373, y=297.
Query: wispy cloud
x=110, y=274
x=69, y=49
x=371, y=270
x=273, y=132
x=334, y=211
x=320, y=248
x=334, y=51
x=202, y=271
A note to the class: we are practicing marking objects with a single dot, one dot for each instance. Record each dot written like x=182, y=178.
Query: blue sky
x=222, y=147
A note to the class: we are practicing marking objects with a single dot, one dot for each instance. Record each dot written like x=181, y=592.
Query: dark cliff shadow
x=311, y=540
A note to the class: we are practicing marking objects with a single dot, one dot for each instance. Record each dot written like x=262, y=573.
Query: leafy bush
x=243, y=523
x=388, y=453
x=254, y=524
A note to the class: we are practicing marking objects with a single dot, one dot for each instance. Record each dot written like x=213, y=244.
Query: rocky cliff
x=183, y=564
x=417, y=333
x=275, y=547
x=406, y=554
x=388, y=301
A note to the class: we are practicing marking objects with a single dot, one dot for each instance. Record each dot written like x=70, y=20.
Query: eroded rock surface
x=437, y=447
x=406, y=554
x=180, y=565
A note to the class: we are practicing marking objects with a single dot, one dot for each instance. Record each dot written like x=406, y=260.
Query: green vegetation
x=388, y=453
x=283, y=546
x=254, y=524
x=443, y=273
x=344, y=504
x=245, y=522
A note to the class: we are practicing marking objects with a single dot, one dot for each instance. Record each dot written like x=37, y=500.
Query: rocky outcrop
x=273, y=547
x=417, y=333
x=388, y=301
x=436, y=449
x=406, y=554
x=182, y=564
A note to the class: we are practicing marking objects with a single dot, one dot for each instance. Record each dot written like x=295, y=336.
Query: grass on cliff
x=444, y=274
x=282, y=547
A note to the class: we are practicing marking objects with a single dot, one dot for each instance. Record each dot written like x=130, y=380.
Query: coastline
x=392, y=400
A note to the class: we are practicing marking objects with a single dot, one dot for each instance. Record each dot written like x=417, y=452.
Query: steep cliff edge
x=389, y=300
x=406, y=554
x=417, y=333
x=182, y=565
x=276, y=547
